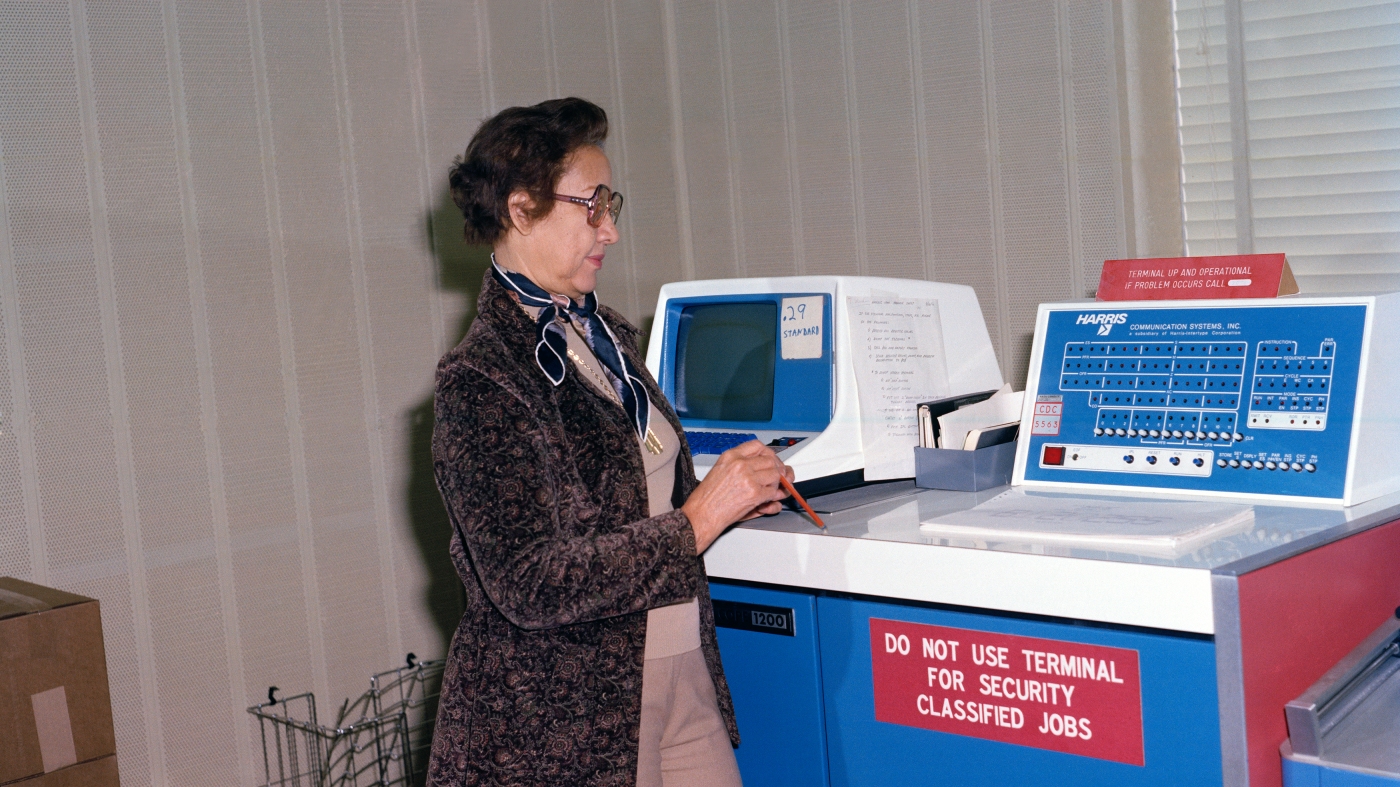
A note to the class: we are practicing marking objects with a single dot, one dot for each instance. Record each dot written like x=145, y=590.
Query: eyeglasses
x=604, y=200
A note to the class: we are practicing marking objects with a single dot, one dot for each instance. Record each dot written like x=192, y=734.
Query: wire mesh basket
x=379, y=739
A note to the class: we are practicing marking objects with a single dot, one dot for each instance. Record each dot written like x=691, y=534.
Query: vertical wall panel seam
x=628, y=235
x=673, y=100
x=364, y=331
x=287, y=352
x=799, y=255
x=483, y=31
x=208, y=405
x=20, y=419
x=117, y=401
x=1112, y=15
x=848, y=62
x=731, y=141
x=419, y=103
x=916, y=73
x=1003, y=326
x=1070, y=141
x=553, y=84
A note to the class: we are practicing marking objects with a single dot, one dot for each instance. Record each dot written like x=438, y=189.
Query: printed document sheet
x=897, y=353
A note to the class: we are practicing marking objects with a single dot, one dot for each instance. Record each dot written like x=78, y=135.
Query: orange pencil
x=795, y=496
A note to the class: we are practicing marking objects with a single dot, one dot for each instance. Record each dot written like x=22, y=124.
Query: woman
x=587, y=651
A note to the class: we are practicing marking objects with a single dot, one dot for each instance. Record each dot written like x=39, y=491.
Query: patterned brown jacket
x=546, y=492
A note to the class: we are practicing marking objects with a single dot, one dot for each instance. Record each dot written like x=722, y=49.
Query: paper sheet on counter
x=897, y=352
x=1164, y=528
x=894, y=522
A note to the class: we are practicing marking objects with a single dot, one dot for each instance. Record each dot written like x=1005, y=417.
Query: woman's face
x=561, y=252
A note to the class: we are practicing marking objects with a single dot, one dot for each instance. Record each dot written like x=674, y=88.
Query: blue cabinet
x=800, y=669
x=1310, y=772
x=768, y=642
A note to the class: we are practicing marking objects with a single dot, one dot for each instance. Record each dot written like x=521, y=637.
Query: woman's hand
x=743, y=484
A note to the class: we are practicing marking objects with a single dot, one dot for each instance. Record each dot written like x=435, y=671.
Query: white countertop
x=879, y=550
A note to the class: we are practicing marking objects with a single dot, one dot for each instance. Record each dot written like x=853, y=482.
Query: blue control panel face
x=1255, y=400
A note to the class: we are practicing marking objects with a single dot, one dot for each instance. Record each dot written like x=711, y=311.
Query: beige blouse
x=675, y=629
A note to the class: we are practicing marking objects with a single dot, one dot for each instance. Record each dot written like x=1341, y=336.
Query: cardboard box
x=101, y=772
x=55, y=708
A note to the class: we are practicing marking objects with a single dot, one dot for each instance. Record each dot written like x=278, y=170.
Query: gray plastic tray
x=964, y=471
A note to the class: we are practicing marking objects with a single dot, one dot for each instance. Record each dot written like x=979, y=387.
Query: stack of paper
x=990, y=436
x=930, y=411
x=1002, y=409
x=1168, y=528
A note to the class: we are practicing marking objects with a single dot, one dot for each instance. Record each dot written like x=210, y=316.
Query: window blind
x=1319, y=137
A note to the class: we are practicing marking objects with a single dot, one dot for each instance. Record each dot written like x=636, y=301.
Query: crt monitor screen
x=725, y=356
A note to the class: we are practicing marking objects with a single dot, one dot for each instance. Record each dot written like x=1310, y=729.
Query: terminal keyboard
x=716, y=442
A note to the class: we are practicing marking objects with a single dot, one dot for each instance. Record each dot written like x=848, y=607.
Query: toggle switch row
x=1168, y=434
x=1255, y=464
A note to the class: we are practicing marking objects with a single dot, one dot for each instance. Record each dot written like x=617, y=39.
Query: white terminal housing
x=836, y=447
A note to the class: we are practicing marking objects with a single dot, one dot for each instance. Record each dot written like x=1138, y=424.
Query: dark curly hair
x=520, y=148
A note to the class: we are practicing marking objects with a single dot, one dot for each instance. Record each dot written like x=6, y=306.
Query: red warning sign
x=1178, y=278
x=1063, y=696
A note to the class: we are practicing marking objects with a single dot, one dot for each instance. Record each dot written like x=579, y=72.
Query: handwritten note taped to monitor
x=800, y=327
x=897, y=353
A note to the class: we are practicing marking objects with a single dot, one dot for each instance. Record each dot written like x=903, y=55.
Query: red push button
x=1053, y=455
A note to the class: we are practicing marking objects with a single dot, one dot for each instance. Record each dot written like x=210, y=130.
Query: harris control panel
x=1287, y=398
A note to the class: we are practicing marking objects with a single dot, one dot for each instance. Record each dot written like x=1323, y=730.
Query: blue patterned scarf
x=551, y=344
